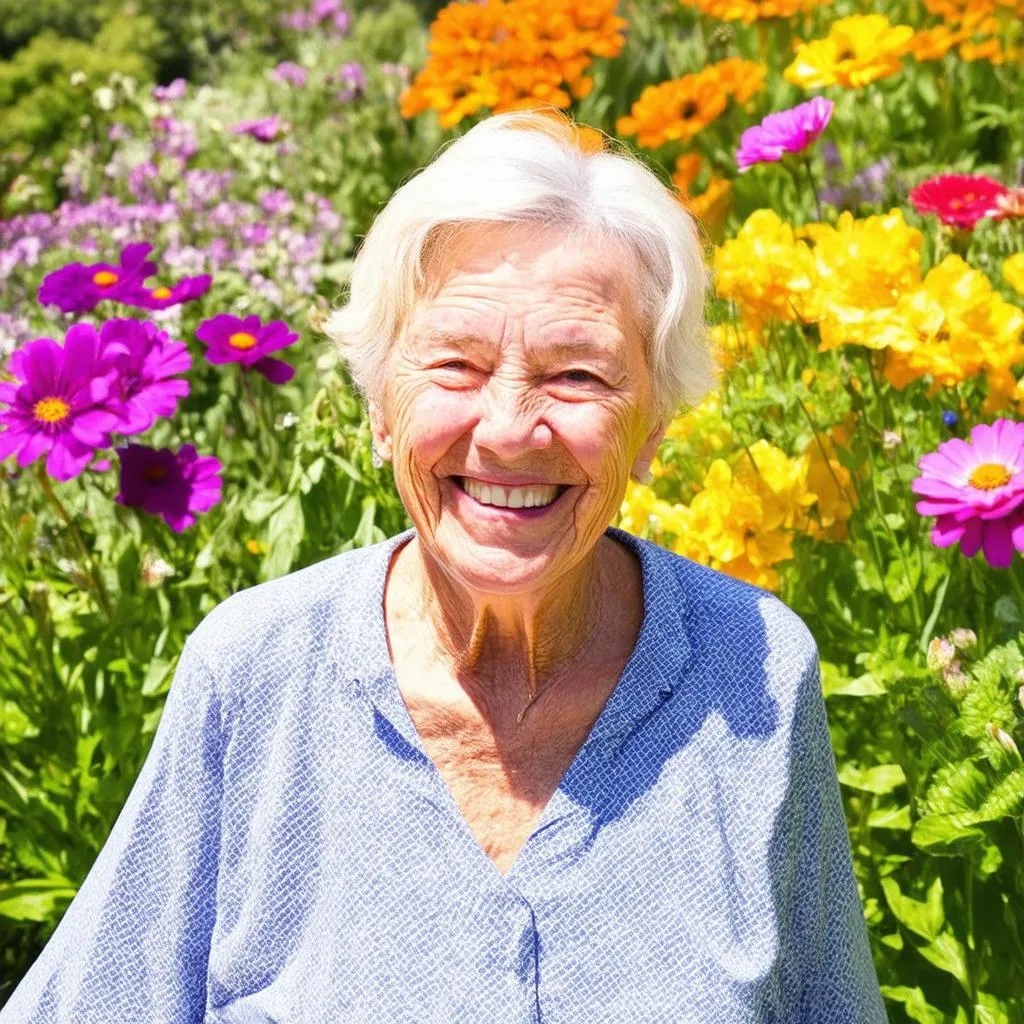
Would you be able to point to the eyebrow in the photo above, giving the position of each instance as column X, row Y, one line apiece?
column 564, row 348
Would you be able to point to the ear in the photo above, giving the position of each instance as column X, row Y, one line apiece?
column 642, row 463
column 380, row 429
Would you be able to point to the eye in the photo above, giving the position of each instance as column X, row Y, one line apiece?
column 580, row 376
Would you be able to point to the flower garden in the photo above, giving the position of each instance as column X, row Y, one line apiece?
column 181, row 201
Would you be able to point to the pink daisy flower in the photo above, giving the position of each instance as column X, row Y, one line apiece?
column 788, row 131
column 230, row 339
column 78, row 287
column 160, row 296
column 976, row 489
column 174, row 486
column 64, row 407
column 148, row 363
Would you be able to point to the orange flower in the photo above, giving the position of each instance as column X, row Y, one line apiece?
column 510, row 54
column 749, row 11
column 934, row 43
column 678, row 109
column 711, row 207
column 687, row 171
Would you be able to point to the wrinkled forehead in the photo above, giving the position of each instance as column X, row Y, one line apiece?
column 478, row 277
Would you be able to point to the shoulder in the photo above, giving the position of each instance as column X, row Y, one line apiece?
column 738, row 634
column 283, row 623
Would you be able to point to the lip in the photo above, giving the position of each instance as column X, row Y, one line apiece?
column 467, row 504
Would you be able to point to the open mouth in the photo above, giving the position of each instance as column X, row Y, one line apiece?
column 530, row 496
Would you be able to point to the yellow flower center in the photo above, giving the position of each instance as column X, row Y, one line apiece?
column 154, row 473
column 163, row 292
column 242, row 340
column 989, row 475
column 104, row 278
column 51, row 410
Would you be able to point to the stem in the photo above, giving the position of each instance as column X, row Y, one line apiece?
column 814, row 191
column 100, row 589
column 972, row 978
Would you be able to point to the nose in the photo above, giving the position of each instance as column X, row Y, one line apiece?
column 510, row 422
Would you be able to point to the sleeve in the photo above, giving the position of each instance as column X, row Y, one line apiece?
column 133, row 944
column 830, row 974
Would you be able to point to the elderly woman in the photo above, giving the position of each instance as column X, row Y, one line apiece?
column 513, row 764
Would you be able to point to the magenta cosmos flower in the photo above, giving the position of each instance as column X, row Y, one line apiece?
column 78, row 287
column 959, row 200
column 148, row 364
column 174, row 486
column 263, row 129
column 64, row 407
column 230, row 339
column 788, row 131
column 976, row 489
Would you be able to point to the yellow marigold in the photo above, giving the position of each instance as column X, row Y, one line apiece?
column 767, row 271
column 862, row 265
column 732, row 343
column 673, row 111
column 749, row 11
column 1013, row 272
column 859, row 49
column 509, row 54
column 832, row 485
column 953, row 327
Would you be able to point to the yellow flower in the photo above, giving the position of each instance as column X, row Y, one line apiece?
column 832, row 485
column 859, row 49
column 1013, row 272
column 862, row 266
column 732, row 343
column 255, row 547
column 767, row 271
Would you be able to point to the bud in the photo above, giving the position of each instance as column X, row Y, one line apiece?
column 1003, row 738
column 891, row 440
column 963, row 639
column 940, row 653
column 154, row 570
column 286, row 420
column 956, row 680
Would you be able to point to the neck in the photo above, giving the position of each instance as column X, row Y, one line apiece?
column 487, row 639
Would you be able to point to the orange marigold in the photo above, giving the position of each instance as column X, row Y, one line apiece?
column 749, row 11
column 510, row 54
column 678, row 109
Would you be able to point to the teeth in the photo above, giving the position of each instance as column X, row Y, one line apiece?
column 509, row 497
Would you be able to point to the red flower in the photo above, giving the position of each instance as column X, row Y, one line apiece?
column 959, row 200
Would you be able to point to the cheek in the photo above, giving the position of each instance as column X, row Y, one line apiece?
column 600, row 438
column 427, row 422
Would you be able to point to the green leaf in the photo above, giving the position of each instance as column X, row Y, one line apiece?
column 947, row 953
column 15, row 725
column 945, row 834
column 35, row 899
column 890, row 817
column 284, row 535
column 922, row 918
column 865, row 685
column 881, row 779
column 914, row 1003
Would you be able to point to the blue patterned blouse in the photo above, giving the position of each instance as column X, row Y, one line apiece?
column 290, row 854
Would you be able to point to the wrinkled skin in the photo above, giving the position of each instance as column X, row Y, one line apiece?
column 521, row 364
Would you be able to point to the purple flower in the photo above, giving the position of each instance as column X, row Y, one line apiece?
column 230, row 339
column 291, row 74
column 174, row 91
column 276, row 202
column 353, row 78
column 65, row 405
column 322, row 9
column 161, row 296
column 174, row 486
column 340, row 22
column 300, row 21
column 787, row 131
column 264, row 129
column 78, row 288
column 867, row 186
column 147, row 362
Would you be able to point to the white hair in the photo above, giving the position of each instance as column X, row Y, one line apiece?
column 528, row 167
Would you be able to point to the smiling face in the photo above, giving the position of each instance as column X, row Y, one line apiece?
column 518, row 400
